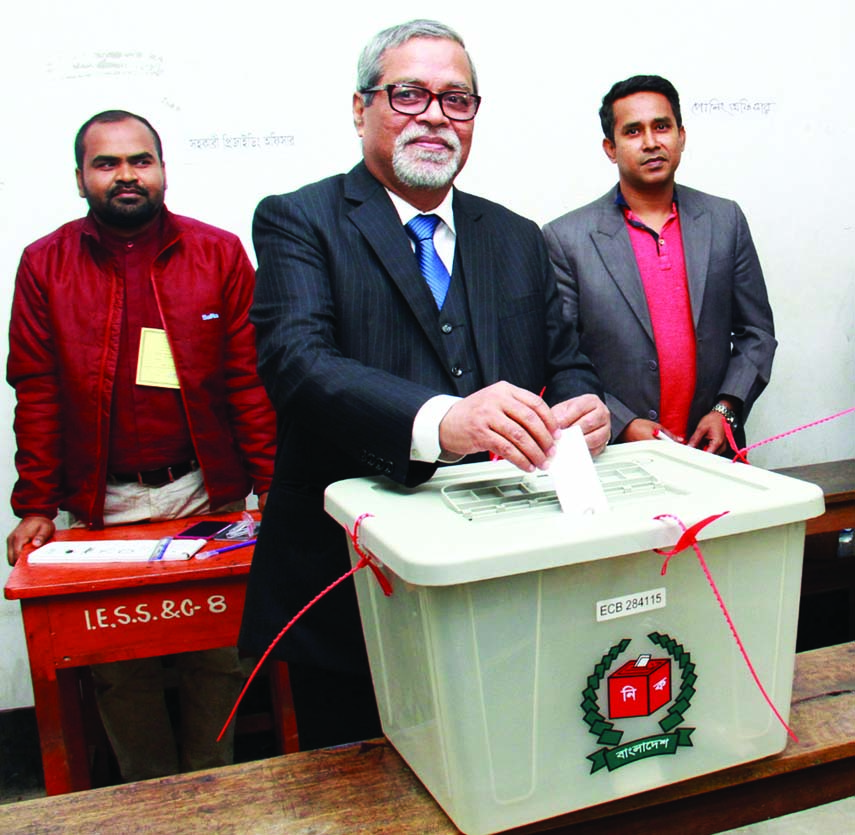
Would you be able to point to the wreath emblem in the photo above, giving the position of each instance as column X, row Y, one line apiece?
column 615, row 755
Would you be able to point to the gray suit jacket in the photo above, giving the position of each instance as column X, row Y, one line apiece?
column 603, row 296
column 350, row 347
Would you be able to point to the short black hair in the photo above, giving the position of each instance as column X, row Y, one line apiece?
column 630, row 86
column 107, row 117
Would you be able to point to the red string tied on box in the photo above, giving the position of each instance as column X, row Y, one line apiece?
column 688, row 539
column 742, row 454
column 365, row 558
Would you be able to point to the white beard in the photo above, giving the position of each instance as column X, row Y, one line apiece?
column 419, row 168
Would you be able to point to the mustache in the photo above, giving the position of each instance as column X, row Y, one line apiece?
column 124, row 189
column 415, row 132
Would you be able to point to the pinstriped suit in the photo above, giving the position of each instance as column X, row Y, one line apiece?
column 350, row 348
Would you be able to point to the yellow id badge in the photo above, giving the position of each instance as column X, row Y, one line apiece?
column 155, row 365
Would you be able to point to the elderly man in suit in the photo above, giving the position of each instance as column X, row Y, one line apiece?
column 388, row 346
column 663, row 283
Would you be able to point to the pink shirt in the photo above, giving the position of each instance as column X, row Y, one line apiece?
column 663, row 274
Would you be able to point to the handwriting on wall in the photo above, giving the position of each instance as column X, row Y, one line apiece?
column 241, row 141
column 742, row 107
column 107, row 63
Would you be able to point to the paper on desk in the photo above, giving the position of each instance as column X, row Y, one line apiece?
column 574, row 475
column 112, row 550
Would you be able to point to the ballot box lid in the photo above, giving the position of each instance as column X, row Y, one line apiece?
column 473, row 522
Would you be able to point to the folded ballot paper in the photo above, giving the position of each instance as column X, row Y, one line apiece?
column 574, row 475
column 112, row 550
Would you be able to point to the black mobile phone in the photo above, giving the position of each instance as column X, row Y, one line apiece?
column 207, row 529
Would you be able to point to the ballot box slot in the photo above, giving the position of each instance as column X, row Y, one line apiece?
column 541, row 663
column 489, row 498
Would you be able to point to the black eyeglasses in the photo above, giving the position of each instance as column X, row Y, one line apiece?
column 457, row 105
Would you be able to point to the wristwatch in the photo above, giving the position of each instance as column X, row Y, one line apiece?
column 729, row 414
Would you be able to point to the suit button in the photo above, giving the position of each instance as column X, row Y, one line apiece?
column 457, row 372
column 652, row 365
column 653, row 414
column 446, row 328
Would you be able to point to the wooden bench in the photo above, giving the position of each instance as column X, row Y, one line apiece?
column 828, row 581
column 837, row 480
column 367, row 788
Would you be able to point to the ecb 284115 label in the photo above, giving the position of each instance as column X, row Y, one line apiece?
column 631, row 604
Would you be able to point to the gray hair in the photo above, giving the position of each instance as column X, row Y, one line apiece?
column 369, row 70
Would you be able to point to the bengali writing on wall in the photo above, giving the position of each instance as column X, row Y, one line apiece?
column 741, row 107
column 106, row 64
column 242, row 141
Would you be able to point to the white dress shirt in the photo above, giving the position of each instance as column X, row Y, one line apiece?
column 425, row 437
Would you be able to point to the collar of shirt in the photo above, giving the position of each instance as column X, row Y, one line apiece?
column 620, row 200
column 631, row 217
column 151, row 238
column 445, row 236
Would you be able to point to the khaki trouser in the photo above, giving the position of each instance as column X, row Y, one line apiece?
column 131, row 701
column 130, row 694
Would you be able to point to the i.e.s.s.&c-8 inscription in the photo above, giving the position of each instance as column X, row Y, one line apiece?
column 148, row 612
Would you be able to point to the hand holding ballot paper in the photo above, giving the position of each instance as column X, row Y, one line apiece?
column 574, row 475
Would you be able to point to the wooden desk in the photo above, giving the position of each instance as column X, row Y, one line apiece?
column 76, row 615
column 368, row 789
column 827, row 613
column 837, row 480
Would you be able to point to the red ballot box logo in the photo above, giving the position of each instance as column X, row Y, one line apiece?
column 640, row 687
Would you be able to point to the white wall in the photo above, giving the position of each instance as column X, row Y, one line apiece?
column 243, row 72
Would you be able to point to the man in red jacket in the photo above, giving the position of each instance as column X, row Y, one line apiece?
column 134, row 365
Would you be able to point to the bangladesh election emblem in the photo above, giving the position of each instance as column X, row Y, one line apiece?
column 640, row 687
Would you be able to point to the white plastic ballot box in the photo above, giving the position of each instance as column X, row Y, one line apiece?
column 529, row 663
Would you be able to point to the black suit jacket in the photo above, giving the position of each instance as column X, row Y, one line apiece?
column 349, row 348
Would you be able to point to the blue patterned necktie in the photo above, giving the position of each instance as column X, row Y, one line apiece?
column 421, row 229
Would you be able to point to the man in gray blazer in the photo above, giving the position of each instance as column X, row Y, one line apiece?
column 663, row 284
column 371, row 370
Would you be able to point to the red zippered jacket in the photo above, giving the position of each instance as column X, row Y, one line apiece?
column 63, row 348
